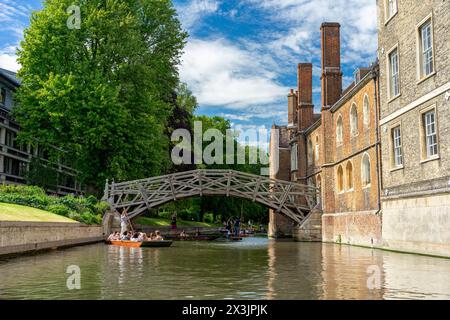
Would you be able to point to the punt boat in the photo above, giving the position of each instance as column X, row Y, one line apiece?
column 144, row 244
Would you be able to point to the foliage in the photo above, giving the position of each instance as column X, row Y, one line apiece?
column 41, row 175
column 86, row 210
column 101, row 92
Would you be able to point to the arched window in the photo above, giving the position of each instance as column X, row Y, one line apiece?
column 366, row 110
column 317, row 149
column 340, row 179
column 349, row 172
column 339, row 129
column 365, row 170
column 319, row 182
column 310, row 151
column 354, row 120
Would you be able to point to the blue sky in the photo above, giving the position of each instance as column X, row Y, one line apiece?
column 241, row 57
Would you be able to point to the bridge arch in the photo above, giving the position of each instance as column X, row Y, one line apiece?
column 292, row 199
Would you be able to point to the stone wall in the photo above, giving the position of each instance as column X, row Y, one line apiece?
column 21, row 237
column 356, row 228
column 418, row 224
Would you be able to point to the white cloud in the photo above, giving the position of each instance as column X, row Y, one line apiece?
column 192, row 12
column 302, row 19
column 222, row 74
column 8, row 59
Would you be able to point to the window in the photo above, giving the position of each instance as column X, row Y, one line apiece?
column 391, row 8
column 294, row 163
column 354, row 120
column 339, row 131
column 349, row 172
column 310, row 151
column 317, row 149
column 2, row 97
column 431, row 143
column 426, row 57
column 340, row 179
column 366, row 110
column 10, row 138
column 394, row 74
column 365, row 170
column 397, row 146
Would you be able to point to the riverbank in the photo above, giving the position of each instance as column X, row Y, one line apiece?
column 25, row 230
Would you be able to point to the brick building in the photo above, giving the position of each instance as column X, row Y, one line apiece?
column 380, row 149
column 15, row 159
column 414, row 54
column 336, row 150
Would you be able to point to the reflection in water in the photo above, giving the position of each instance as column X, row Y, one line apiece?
column 252, row 269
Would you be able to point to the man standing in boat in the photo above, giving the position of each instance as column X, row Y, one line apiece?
column 124, row 222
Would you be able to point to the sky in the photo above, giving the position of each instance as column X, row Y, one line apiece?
column 241, row 57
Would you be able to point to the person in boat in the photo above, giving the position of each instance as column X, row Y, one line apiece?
column 158, row 236
column 142, row 237
column 183, row 235
column 123, row 222
column 237, row 224
column 125, row 236
column 135, row 237
column 173, row 223
column 112, row 237
column 151, row 236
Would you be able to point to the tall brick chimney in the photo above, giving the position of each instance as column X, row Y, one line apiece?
column 331, row 92
column 292, row 108
column 331, row 64
column 305, row 106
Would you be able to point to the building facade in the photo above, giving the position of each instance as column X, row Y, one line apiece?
column 380, row 149
column 16, row 160
column 337, row 150
column 414, row 54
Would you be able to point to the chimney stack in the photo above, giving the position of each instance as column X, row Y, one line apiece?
column 305, row 106
column 292, row 108
column 331, row 64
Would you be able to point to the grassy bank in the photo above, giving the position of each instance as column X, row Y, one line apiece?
column 14, row 212
column 86, row 210
column 160, row 222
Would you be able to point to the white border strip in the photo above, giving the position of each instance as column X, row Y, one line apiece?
column 416, row 103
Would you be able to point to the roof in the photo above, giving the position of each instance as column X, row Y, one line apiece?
column 10, row 76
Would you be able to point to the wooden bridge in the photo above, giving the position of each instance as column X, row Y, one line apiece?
column 292, row 199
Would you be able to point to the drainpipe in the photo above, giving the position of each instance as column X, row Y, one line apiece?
column 376, row 80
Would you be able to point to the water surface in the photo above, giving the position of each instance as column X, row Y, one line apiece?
column 253, row 269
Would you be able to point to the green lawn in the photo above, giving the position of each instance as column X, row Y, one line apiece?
column 14, row 212
column 159, row 222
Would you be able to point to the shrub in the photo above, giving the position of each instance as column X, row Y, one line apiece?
column 85, row 210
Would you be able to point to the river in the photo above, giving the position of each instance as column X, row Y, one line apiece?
column 255, row 268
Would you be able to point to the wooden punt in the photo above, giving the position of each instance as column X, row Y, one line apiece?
column 145, row 244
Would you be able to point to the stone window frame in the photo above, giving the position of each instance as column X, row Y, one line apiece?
column 387, row 17
column 388, row 72
column 354, row 127
column 347, row 180
column 339, row 133
column 317, row 150
column 394, row 125
column 340, row 183
column 424, row 158
column 294, row 157
column 366, row 184
column 310, row 151
column 366, row 111
column 419, row 56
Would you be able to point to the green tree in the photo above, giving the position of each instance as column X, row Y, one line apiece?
column 101, row 92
